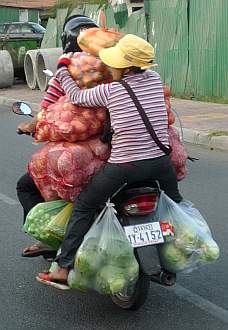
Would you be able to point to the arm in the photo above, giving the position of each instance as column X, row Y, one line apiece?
column 52, row 94
column 93, row 97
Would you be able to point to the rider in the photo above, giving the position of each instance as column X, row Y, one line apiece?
column 27, row 192
column 135, row 157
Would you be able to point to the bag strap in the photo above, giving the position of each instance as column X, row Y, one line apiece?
column 166, row 150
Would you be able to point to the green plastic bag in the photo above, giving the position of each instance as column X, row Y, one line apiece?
column 57, row 226
column 39, row 217
column 105, row 261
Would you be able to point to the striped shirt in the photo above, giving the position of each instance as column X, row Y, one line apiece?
column 131, row 140
column 52, row 94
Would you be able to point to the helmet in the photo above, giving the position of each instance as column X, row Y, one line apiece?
column 71, row 30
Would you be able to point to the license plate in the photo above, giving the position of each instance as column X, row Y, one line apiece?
column 144, row 234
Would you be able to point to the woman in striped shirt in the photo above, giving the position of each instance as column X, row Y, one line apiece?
column 135, row 157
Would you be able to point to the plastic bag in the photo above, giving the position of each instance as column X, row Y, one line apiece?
column 179, row 155
column 62, row 169
column 105, row 260
column 88, row 71
column 64, row 121
column 39, row 217
column 57, row 226
column 192, row 245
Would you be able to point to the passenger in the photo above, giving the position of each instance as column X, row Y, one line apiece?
column 135, row 157
column 27, row 192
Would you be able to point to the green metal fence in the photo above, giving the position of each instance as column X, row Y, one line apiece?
column 191, row 43
column 190, row 38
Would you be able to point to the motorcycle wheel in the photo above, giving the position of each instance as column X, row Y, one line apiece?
column 136, row 296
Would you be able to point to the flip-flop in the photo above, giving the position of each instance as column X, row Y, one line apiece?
column 44, row 278
column 42, row 250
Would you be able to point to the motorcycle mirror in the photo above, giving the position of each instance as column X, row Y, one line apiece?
column 21, row 108
column 48, row 73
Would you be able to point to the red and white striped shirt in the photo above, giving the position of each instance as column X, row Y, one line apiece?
column 131, row 140
column 52, row 94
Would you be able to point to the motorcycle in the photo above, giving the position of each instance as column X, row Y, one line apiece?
column 135, row 206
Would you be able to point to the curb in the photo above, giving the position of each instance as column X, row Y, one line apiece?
column 203, row 138
column 192, row 136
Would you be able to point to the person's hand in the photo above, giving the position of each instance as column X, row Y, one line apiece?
column 27, row 128
column 64, row 60
column 66, row 55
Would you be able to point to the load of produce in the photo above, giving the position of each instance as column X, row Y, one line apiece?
column 64, row 121
column 60, row 170
column 105, row 260
column 167, row 94
column 39, row 217
column 94, row 39
column 88, row 71
column 179, row 155
column 58, row 224
column 192, row 245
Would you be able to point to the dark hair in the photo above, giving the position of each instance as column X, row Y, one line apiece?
column 136, row 69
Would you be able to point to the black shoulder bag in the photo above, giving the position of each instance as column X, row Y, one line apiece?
column 166, row 150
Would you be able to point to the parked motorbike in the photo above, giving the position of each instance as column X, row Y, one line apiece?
column 135, row 206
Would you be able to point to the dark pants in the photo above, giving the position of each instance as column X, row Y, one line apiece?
column 28, row 194
column 102, row 186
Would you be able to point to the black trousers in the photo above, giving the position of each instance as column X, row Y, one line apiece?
column 28, row 194
column 102, row 186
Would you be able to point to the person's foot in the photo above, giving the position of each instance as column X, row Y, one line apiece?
column 39, row 249
column 56, row 279
column 59, row 275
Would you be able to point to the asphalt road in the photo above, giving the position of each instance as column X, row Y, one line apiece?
column 198, row 301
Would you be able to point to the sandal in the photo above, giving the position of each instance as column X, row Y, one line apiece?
column 44, row 278
column 39, row 249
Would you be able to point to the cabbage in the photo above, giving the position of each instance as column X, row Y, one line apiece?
column 110, row 280
column 87, row 259
column 210, row 251
column 77, row 281
column 133, row 270
column 186, row 239
column 173, row 259
column 120, row 252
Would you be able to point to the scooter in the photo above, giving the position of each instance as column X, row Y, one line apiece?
column 136, row 206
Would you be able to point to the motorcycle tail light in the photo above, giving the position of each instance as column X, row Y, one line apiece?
column 140, row 205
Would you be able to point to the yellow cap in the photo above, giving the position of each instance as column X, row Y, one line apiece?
column 129, row 51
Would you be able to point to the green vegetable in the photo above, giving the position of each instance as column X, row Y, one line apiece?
column 210, row 251
column 186, row 240
column 120, row 252
column 77, row 281
column 39, row 217
column 110, row 280
column 133, row 270
column 88, row 262
column 173, row 259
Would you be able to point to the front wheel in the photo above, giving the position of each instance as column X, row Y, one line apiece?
column 133, row 298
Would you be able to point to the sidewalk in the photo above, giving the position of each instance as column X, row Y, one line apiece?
column 203, row 123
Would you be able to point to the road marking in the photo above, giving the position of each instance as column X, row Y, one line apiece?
column 8, row 200
column 204, row 304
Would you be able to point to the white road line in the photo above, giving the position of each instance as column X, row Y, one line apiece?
column 204, row 304
column 8, row 200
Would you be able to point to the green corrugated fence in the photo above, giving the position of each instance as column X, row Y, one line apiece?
column 190, row 38
column 191, row 43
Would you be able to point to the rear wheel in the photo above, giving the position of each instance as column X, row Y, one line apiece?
column 164, row 278
column 133, row 297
